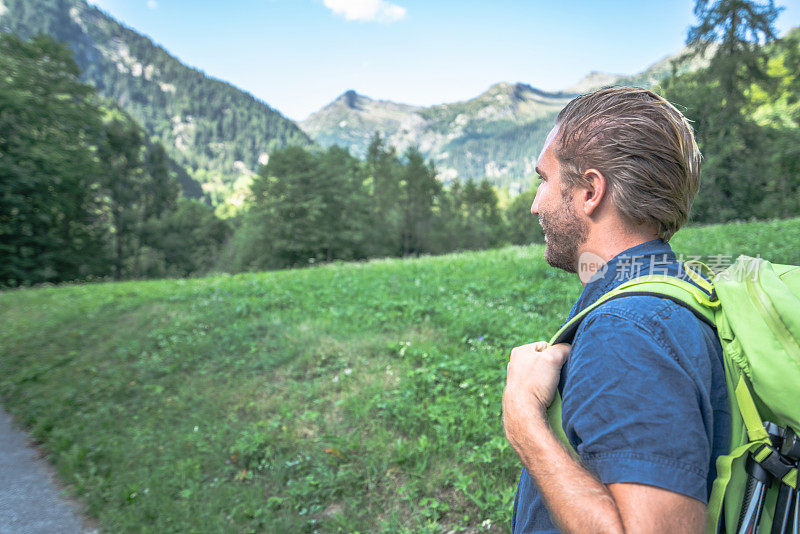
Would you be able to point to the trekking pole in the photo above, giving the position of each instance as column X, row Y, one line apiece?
column 795, row 450
column 785, row 506
column 758, row 480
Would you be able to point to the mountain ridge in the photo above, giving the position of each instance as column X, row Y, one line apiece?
column 450, row 134
column 496, row 135
column 217, row 132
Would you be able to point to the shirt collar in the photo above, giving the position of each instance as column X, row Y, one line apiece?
column 651, row 257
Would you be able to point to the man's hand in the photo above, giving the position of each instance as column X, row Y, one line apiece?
column 533, row 374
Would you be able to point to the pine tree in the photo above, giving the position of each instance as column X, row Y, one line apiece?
column 716, row 98
column 523, row 227
column 419, row 191
column 383, row 171
column 49, row 126
column 738, row 29
column 345, row 215
column 121, row 152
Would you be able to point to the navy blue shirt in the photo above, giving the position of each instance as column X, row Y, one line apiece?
column 643, row 391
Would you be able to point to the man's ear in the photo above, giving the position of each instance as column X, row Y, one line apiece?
column 594, row 190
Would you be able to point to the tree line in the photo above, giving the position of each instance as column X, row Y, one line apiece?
column 311, row 206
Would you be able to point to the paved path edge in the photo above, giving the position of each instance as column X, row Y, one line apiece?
column 32, row 498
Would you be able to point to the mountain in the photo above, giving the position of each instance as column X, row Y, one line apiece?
column 494, row 135
column 217, row 132
column 351, row 119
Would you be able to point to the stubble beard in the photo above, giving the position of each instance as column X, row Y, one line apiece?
column 564, row 235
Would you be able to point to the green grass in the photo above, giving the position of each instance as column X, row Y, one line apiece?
column 347, row 397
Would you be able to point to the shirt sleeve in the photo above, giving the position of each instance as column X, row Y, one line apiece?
column 632, row 408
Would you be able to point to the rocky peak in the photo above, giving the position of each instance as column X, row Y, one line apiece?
column 351, row 99
column 516, row 92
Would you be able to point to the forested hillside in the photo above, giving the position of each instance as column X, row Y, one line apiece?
column 219, row 133
column 84, row 194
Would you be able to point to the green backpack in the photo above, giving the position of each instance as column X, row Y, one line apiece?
column 755, row 308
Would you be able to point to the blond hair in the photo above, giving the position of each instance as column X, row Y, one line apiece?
column 642, row 145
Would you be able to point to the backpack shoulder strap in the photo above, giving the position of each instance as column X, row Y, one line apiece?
column 675, row 289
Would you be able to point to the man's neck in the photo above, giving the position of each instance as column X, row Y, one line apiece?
column 602, row 246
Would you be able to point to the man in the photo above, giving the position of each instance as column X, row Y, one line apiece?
column 643, row 387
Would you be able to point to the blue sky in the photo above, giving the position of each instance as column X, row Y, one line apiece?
column 298, row 55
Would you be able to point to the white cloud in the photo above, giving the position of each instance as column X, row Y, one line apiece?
column 366, row 10
column 152, row 4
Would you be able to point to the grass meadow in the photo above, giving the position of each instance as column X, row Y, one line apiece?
column 349, row 397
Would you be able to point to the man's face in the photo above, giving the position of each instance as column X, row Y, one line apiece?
column 564, row 232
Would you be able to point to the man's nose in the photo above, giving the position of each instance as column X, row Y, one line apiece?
column 535, row 205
